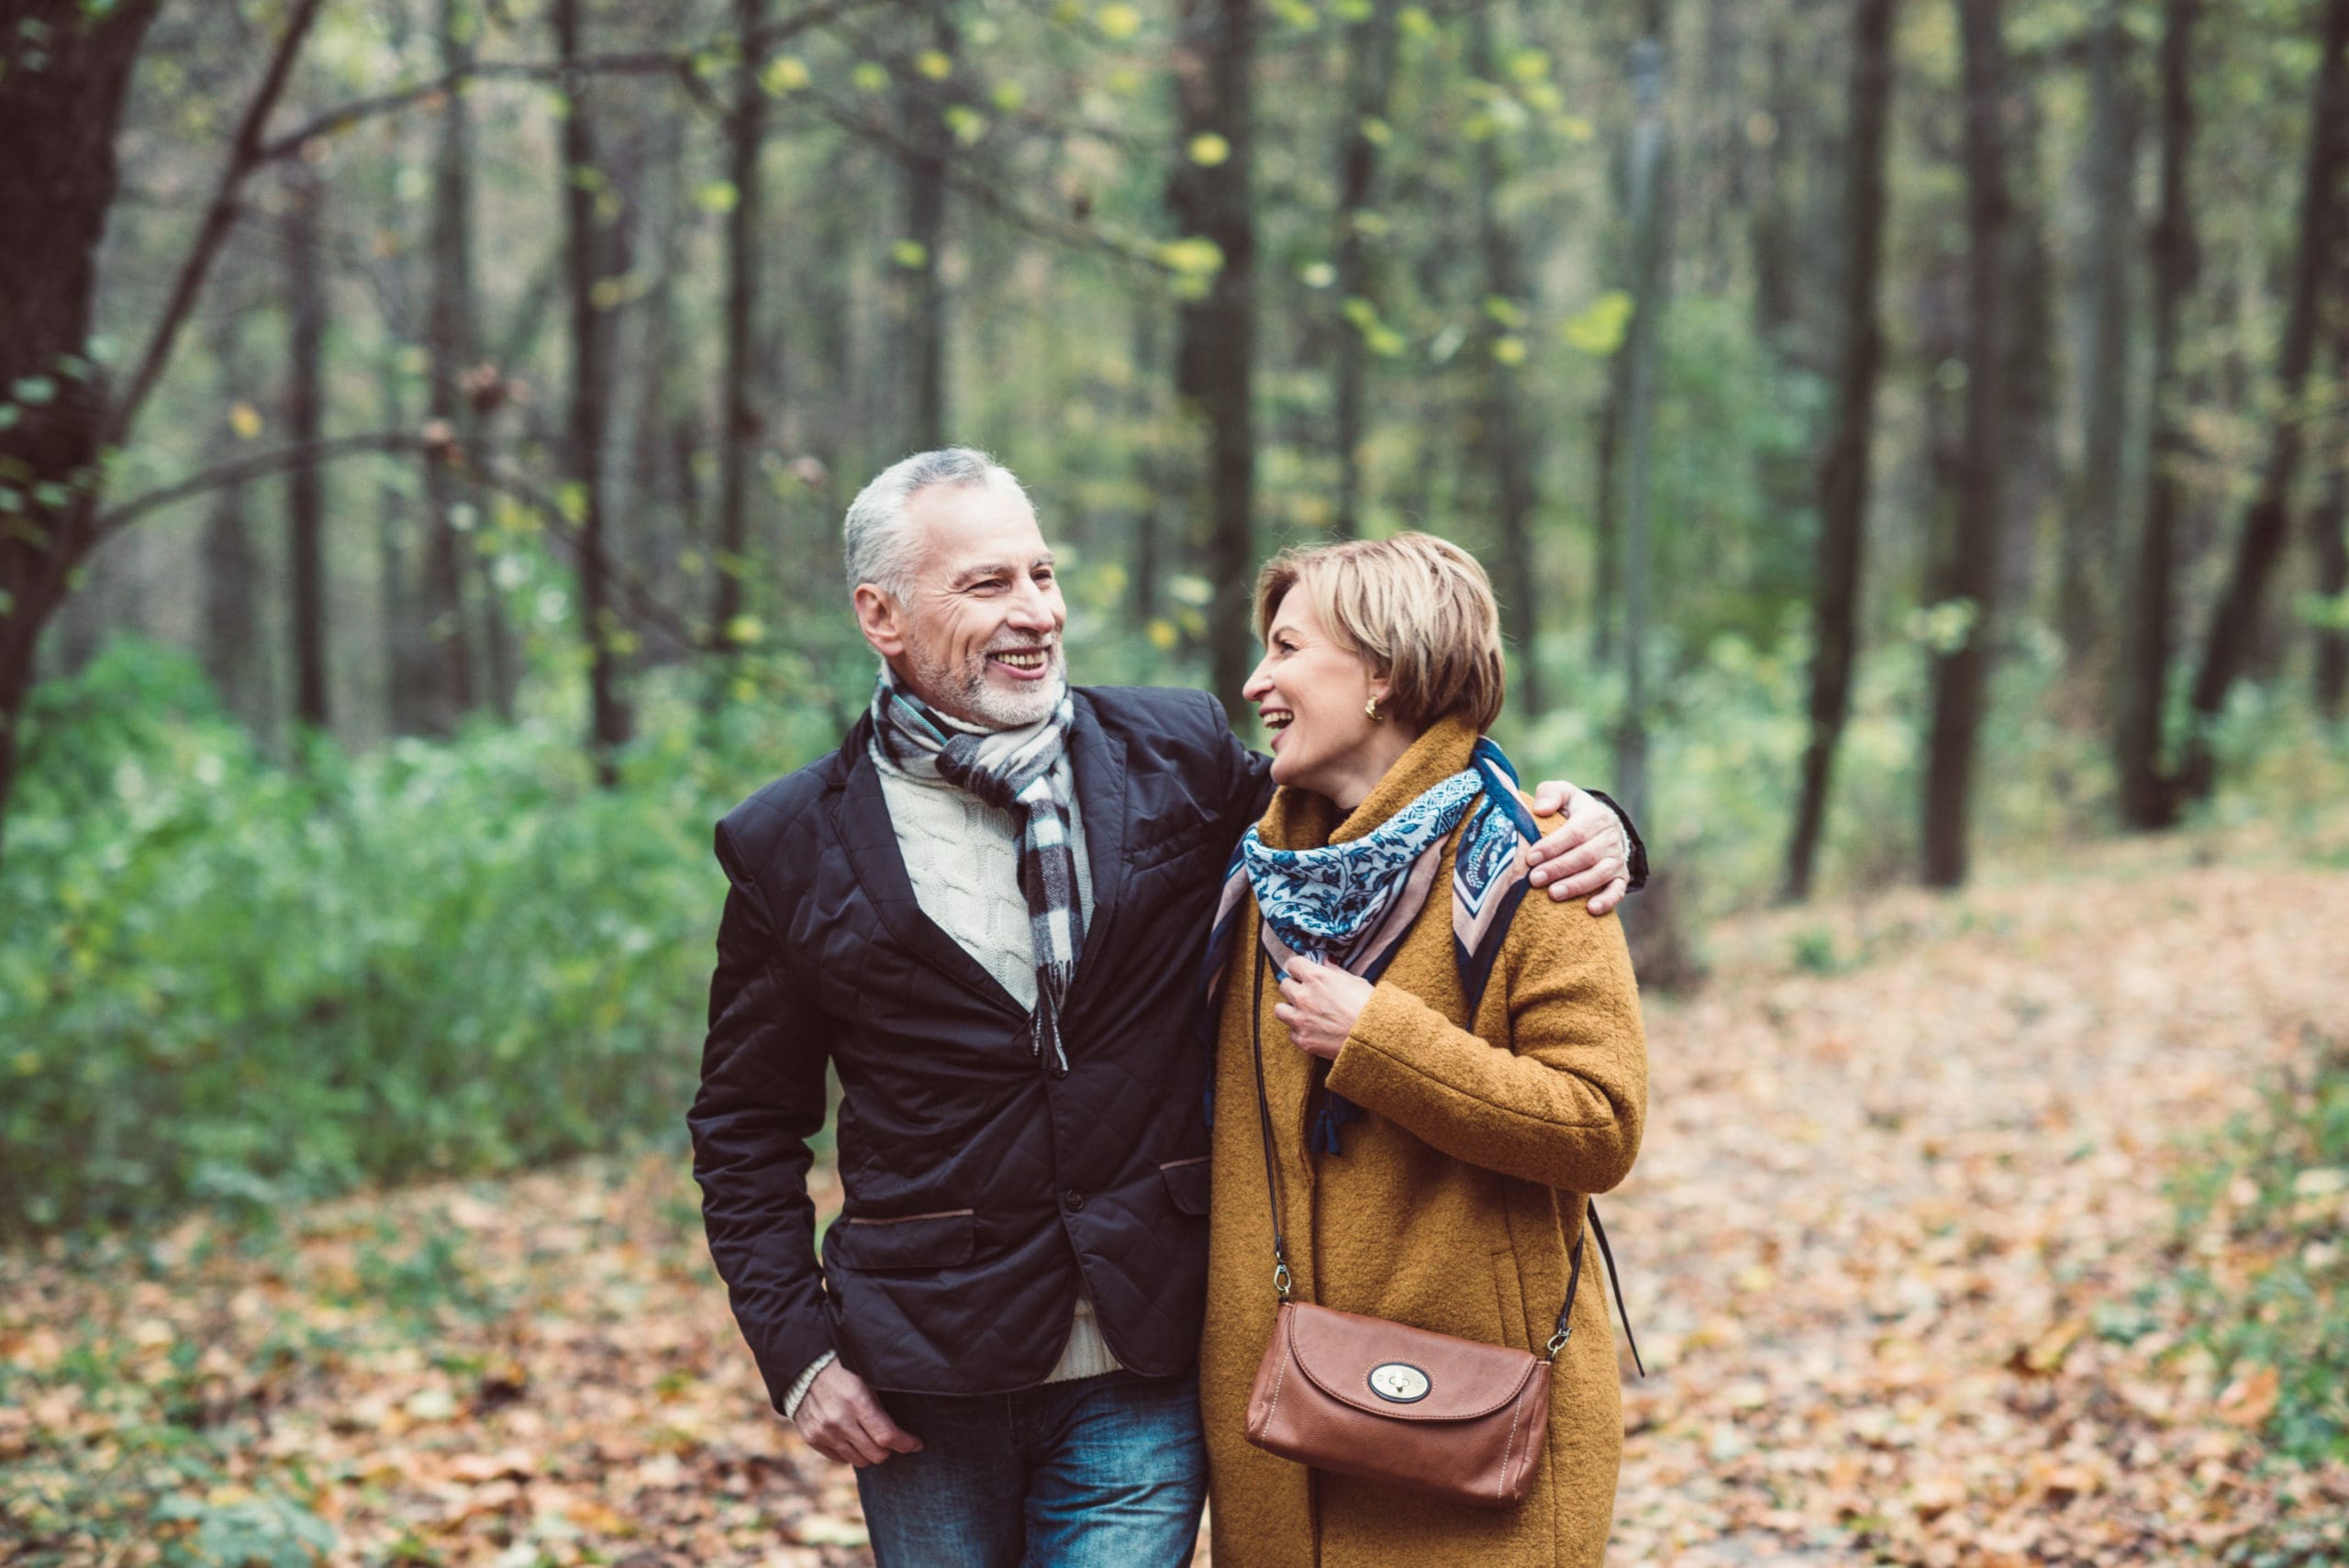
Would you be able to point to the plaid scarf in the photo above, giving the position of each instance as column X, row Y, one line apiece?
column 1351, row 904
column 1013, row 770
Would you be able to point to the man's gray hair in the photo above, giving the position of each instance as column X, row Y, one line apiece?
column 878, row 546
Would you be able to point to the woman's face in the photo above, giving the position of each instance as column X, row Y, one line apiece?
column 1311, row 695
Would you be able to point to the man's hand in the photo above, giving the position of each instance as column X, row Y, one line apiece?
column 1587, row 857
column 841, row 1420
column 1320, row 1004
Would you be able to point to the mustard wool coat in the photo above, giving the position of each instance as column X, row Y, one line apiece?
column 1452, row 1208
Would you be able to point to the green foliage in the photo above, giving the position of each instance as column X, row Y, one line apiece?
column 253, row 1532
column 2267, row 1288
column 225, row 980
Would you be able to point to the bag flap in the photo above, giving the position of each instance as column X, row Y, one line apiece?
column 1407, row 1374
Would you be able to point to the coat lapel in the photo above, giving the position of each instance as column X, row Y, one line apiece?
column 860, row 818
column 1098, row 759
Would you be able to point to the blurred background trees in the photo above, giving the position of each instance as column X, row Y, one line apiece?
column 1896, row 433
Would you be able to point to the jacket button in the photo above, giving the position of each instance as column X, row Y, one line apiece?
column 1072, row 1200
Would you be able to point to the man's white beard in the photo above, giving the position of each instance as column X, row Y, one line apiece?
column 967, row 694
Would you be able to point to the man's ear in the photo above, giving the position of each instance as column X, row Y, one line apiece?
column 883, row 623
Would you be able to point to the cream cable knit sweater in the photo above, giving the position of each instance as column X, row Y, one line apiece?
column 963, row 857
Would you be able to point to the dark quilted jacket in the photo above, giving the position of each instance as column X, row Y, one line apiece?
column 979, row 1185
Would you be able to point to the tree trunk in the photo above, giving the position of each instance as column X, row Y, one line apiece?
column 930, row 152
column 1642, row 351
column 2330, row 523
column 1606, row 543
column 2147, row 799
column 739, row 418
column 2266, row 523
column 306, row 420
column 406, row 652
column 57, row 182
column 583, row 241
column 1370, row 54
column 1967, row 575
column 448, row 330
column 1508, row 456
column 2089, row 531
column 1778, row 275
column 1215, row 357
column 232, row 591
column 2031, row 466
column 1150, row 528
column 1843, row 475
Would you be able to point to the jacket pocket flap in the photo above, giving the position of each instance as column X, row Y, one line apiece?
column 1181, row 842
column 916, row 1241
column 1389, row 1369
column 1187, row 1183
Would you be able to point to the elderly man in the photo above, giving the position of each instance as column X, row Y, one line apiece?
column 987, row 912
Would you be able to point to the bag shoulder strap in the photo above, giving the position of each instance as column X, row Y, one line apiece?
column 1283, row 1281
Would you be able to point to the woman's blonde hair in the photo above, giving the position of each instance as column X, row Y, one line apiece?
column 1418, row 609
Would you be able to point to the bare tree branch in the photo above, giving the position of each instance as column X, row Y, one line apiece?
column 641, row 608
column 637, row 63
column 259, row 465
column 244, row 156
column 988, row 194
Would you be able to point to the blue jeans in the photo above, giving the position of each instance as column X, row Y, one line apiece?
column 1105, row 1472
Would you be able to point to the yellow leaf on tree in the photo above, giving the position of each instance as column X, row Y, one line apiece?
column 785, row 74
column 1208, row 150
column 1119, row 22
column 245, row 419
column 1599, row 328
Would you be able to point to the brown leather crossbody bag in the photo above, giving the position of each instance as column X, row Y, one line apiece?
column 1385, row 1402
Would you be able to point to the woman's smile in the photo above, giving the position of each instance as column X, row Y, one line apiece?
column 1316, row 698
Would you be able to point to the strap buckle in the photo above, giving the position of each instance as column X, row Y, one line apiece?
column 1557, row 1342
column 1281, row 1280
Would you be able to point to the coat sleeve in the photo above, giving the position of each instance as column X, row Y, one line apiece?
column 1246, row 783
column 1562, row 1101
column 762, row 1098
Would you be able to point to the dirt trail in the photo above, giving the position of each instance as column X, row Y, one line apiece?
column 1877, row 1211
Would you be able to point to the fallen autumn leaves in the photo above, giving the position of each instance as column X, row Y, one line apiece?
column 1896, row 1245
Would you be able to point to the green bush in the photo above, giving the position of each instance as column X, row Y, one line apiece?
column 2270, row 1198
column 226, row 980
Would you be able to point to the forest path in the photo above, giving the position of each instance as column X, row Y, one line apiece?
column 1886, row 1234
column 1903, row 1178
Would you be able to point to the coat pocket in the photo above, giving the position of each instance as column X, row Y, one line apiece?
column 1181, row 842
column 1187, row 1183
column 916, row 1241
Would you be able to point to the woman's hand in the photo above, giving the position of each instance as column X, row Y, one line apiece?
column 1320, row 1005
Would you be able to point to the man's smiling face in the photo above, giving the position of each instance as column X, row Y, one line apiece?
column 978, row 637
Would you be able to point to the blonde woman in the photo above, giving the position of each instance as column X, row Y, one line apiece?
column 1449, row 1068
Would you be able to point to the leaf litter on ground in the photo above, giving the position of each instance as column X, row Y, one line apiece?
column 1896, row 1245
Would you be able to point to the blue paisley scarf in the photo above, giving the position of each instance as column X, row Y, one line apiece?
column 1351, row 904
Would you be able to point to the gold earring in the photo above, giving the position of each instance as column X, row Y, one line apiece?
column 1369, row 710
